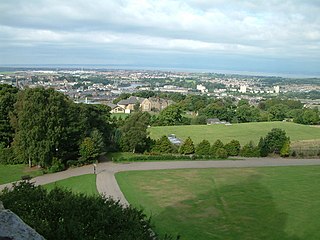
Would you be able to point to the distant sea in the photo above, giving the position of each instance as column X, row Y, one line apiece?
column 6, row 68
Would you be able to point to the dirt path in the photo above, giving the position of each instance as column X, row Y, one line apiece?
column 108, row 186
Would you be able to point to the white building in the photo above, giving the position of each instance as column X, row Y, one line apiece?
column 202, row 88
column 276, row 89
column 243, row 89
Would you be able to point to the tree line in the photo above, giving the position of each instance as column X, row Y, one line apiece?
column 44, row 127
column 228, row 109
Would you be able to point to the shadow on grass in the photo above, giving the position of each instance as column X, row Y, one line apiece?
column 241, row 211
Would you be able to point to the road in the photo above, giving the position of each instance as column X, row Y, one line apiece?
column 108, row 186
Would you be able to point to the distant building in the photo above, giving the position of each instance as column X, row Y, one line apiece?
column 243, row 89
column 128, row 104
column 115, row 108
column 202, row 88
column 276, row 89
column 154, row 104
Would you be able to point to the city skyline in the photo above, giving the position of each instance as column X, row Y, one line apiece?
column 241, row 36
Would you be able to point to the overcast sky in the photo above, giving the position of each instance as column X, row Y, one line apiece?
column 240, row 35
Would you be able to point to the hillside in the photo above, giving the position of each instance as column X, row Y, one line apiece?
column 244, row 132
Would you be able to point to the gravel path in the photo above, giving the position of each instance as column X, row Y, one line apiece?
column 108, row 186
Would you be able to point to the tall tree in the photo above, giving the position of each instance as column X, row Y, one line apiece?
column 40, row 125
column 8, row 95
column 134, row 132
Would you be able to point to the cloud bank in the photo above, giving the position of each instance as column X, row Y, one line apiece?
column 167, row 31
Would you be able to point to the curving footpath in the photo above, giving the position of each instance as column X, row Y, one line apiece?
column 108, row 186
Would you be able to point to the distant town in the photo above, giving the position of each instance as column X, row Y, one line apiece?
column 102, row 86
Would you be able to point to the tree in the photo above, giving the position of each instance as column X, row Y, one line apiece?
column 233, row 148
column 246, row 113
column 310, row 116
column 170, row 116
column 8, row 96
column 263, row 147
column 278, row 112
column 187, row 147
column 217, row 144
column 163, row 145
column 88, row 151
column 134, row 132
column 41, row 125
column 203, row 148
column 275, row 140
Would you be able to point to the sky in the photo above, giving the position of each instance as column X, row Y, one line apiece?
column 274, row 36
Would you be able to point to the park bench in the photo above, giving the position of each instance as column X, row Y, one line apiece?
column 26, row 177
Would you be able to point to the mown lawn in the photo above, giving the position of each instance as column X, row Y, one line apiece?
column 11, row 173
column 244, row 132
column 247, row 203
column 81, row 184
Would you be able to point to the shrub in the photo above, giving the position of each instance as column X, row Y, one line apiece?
column 263, row 147
column 56, row 166
column 7, row 156
column 187, row 147
column 163, row 145
column 217, row 144
column 249, row 150
column 221, row 153
column 233, row 148
column 203, row 148
column 275, row 140
column 61, row 214
column 285, row 150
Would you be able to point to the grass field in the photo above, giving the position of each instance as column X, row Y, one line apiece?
column 80, row 184
column 243, row 132
column 122, row 115
column 11, row 173
column 248, row 203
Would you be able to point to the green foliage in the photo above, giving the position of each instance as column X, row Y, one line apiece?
column 263, row 147
column 199, row 120
column 187, row 147
column 275, row 140
column 278, row 112
column 215, row 146
column 246, row 113
column 171, row 115
column 59, row 214
column 233, row 148
column 8, row 95
column 7, row 155
column 285, row 150
column 134, row 136
column 56, row 166
column 88, row 151
column 221, row 153
column 249, row 150
column 163, row 145
column 203, row 148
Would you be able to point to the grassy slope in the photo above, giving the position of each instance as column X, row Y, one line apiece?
column 243, row 132
column 250, row 203
column 11, row 173
column 82, row 184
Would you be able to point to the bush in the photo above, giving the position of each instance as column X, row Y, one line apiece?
column 187, row 147
column 233, row 148
column 217, row 144
column 285, row 150
column 249, row 150
column 163, row 145
column 221, row 153
column 56, row 166
column 7, row 156
column 61, row 214
column 275, row 140
column 203, row 148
